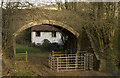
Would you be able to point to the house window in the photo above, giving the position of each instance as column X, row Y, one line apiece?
column 38, row 33
column 54, row 34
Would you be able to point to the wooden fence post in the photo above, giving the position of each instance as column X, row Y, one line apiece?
column 65, row 53
column 87, row 61
column 53, row 60
column 26, row 56
column 57, row 65
column 52, row 52
column 76, row 61
column 84, row 61
column 49, row 61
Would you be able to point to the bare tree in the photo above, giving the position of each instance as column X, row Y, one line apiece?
column 101, row 31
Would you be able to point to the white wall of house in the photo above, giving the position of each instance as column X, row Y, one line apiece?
column 46, row 35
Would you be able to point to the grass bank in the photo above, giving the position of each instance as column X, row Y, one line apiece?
column 31, row 50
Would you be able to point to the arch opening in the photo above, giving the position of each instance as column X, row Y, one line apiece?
column 37, row 37
column 70, row 44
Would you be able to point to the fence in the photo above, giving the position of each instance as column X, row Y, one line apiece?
column 69, row 62
column 20, row 55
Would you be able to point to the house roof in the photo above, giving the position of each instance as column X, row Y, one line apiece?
column 44, row 28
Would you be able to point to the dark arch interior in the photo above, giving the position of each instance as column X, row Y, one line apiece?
column 70, row 44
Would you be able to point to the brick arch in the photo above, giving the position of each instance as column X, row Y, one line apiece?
column 52, row 22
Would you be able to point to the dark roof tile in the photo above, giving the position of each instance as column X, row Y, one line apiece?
column 44, row 28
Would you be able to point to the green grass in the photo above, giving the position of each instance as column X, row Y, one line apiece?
column 30, row 50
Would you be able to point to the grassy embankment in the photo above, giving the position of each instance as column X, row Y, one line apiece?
column 30, row 50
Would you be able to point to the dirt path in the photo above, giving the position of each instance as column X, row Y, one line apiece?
column 39, row 66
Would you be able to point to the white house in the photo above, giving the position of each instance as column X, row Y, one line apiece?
column 41, row 32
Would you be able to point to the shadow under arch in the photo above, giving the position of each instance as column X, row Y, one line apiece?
column 34, row 23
